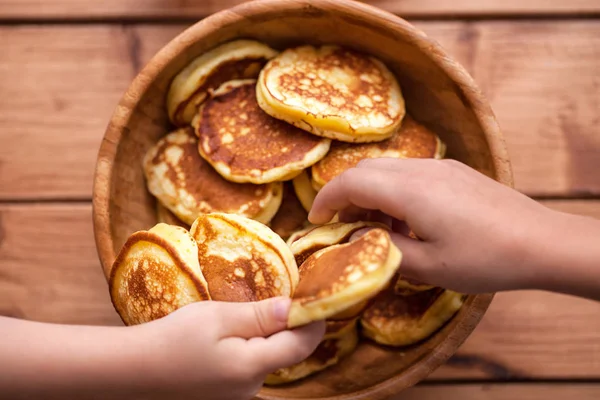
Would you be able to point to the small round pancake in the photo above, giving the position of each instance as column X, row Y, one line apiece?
column 332, row 92
column 188, row 186
column 244, row 144
column 338, row 277
column 291, row 215
column 243, row 260
column 240, row 59
column 167, row 217
column 397, row 320
column 324, row 236
column 156, row 273
column 304, row 189
column 334, row 347
column 413, row 140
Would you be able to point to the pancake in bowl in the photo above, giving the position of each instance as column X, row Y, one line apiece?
column 407, row 286
column 332, row 92
column 340, row 340
column 156, row 273
column 307, row 242
column 291, row 216
column 304, row 189
column 339, row 277
column 242, row 259
column 400, row 320
column 240, row 59
column 188, row 186
column 244, row 144
column 167, row 217
column 412, row 140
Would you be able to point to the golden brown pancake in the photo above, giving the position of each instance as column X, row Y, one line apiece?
column 242, row 259
column 304, row 189
column 332, row 92
column 413, row 140
column 406, row 286
column 240, row 59
column 244, row 144
column 165, row 216
column 320, row 237
column 340, row 340
column 291, row 215
column 399, row 320
column 188, row 186
column 339, row 277
column 156, row 273
column 300, row 234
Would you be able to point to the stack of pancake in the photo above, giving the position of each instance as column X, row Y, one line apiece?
column 257, row 134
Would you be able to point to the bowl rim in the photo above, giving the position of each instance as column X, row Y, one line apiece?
column 103, row 176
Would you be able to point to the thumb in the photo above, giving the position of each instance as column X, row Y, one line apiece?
column 255, row 319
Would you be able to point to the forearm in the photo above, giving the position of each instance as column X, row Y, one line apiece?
column 59, row 361
column 568, row 258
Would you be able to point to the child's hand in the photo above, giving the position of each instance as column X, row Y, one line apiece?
column 215, row 350
column 477, row 235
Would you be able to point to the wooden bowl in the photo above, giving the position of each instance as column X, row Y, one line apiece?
column 438, row 92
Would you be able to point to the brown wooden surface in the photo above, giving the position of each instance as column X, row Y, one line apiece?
column 531, row 391
column 50, row 272
column 541, row 78
column 137, row 9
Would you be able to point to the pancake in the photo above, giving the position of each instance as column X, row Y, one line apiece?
column 300, row 234
column 324, row 236
column 244, row 144
column 188, row 186
column 397, row 320
column 167, row 217
column 339, row 277
column 304, row 189
column 156, row 273
column 406, row 286
column 339, row 341
column 240, row 59
column 242, row 259
column 413, row 140
column 332, row 92
column 291, row 215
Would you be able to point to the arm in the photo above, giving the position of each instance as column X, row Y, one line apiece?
column 477, row 235
column 206, row 350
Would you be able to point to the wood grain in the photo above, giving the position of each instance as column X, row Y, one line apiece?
column 49, row 271
column 163, row 9
column 532, row 391
column 541, row 78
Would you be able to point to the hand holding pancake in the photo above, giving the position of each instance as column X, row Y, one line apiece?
column 216, row 350
column 472, row 229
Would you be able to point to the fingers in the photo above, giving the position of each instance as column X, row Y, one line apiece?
column 257, row 319
column 286, row 348
column 364, row 188
column 417, row 256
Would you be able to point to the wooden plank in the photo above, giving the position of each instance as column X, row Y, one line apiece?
column 531, row 391
column 158, row 9
column 49, row 271
column 540, row 77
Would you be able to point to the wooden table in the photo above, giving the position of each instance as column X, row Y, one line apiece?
column 65, row 63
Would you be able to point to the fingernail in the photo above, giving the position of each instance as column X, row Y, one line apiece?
column 281, row 308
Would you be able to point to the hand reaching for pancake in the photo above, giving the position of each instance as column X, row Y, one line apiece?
column 476, row 234
column 217, row 350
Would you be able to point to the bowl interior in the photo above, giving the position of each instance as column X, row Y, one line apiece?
column 434, row 96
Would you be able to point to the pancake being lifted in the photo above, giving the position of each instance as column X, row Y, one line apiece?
column 412, row 140
column 242, row 259
column 188, row 186
column 332, row 92
column 155, row 273
column 240, row 59
column 244, row 144
column 400, row 320
column 339, row 277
